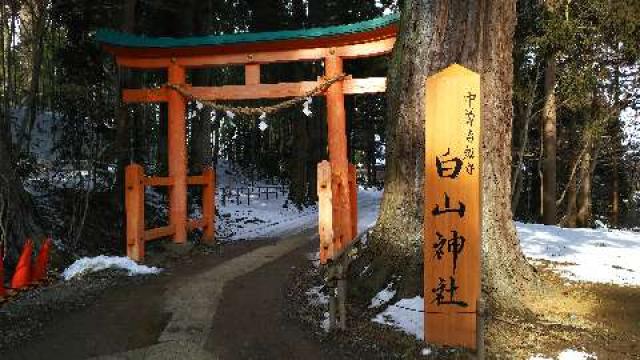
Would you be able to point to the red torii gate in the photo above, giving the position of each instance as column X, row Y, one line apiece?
column 333, row 45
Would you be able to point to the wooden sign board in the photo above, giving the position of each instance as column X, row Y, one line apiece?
column 452, row 214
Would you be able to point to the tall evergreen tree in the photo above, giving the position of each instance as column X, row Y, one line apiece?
column 434, row 34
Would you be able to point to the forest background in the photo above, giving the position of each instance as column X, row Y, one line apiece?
column 65, row 137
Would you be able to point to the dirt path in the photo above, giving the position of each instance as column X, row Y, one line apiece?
column 228, row 306
column 253, row 320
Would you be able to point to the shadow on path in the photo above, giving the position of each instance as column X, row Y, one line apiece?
column 252, row 320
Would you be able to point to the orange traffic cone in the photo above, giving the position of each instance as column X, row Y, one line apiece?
column 3, row 292
column 40, row 267
column 22, row 276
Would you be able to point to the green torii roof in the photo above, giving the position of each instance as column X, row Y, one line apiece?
column 120, row 39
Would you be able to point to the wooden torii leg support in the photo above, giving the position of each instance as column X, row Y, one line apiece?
column 337, row 198
column 177, row 182
column 135, row 184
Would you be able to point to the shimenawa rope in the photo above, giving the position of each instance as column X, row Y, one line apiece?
column 243, row 110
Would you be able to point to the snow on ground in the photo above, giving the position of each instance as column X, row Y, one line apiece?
column 88, row 265
column 47, row 130
column 568, row 354
column 274, row 216
column 316, row 296
column 314, row 257
column 383, row 297
column 262, row 217
column 265, row 218
column 594, row 255
column 631, row 127
column 368, row 208
column 325, row 322
column 405, row 315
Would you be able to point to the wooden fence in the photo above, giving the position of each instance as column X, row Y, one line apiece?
column 243, row 194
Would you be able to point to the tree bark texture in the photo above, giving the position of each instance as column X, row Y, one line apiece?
column 549, row 147
column 571, row 217
column 570, row 192
column 38, row 11
column 201, row 124
column 433, row 35
column 584, row 201
column 18, row 220
column 526, row 114
column 122, row 80
column 615, row 194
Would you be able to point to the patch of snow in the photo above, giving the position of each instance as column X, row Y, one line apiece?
column 368, row 208
column 601, row 225
column 365, row 270
column 47, row 130
column 594, row 255
column 274, row 216
column 314, row 257
column 305, row 107
column 568, row 354
column 405, row 315
column 88, row 265
column 426, row 351
column 324, row 323
column 630, row 119
column 316, row 297
column 383, row 297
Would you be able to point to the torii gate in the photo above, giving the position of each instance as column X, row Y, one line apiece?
column 336, row 178
column 453, row 109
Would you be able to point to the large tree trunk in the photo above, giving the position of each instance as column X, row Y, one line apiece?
column 525, row 114
column 298, row 161
column 122, row 80
column 433, row 35
column 549, row 147
column 37, row 11
column 201, row 124
column 18, row 220
column 370, row 162
column 584, row 194
column 614, row 219
column 517, row 176
column 571, row 218
column 587, row 167
column 4, row 75
column 17, row 217
column 162, row 159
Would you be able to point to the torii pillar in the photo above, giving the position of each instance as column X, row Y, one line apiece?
column 336, row 119
column 177, row 151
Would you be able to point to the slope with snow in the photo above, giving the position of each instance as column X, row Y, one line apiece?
column 568, row 354
column 275, row 216
column 595, row 255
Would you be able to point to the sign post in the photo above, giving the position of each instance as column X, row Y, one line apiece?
column 452, row 213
